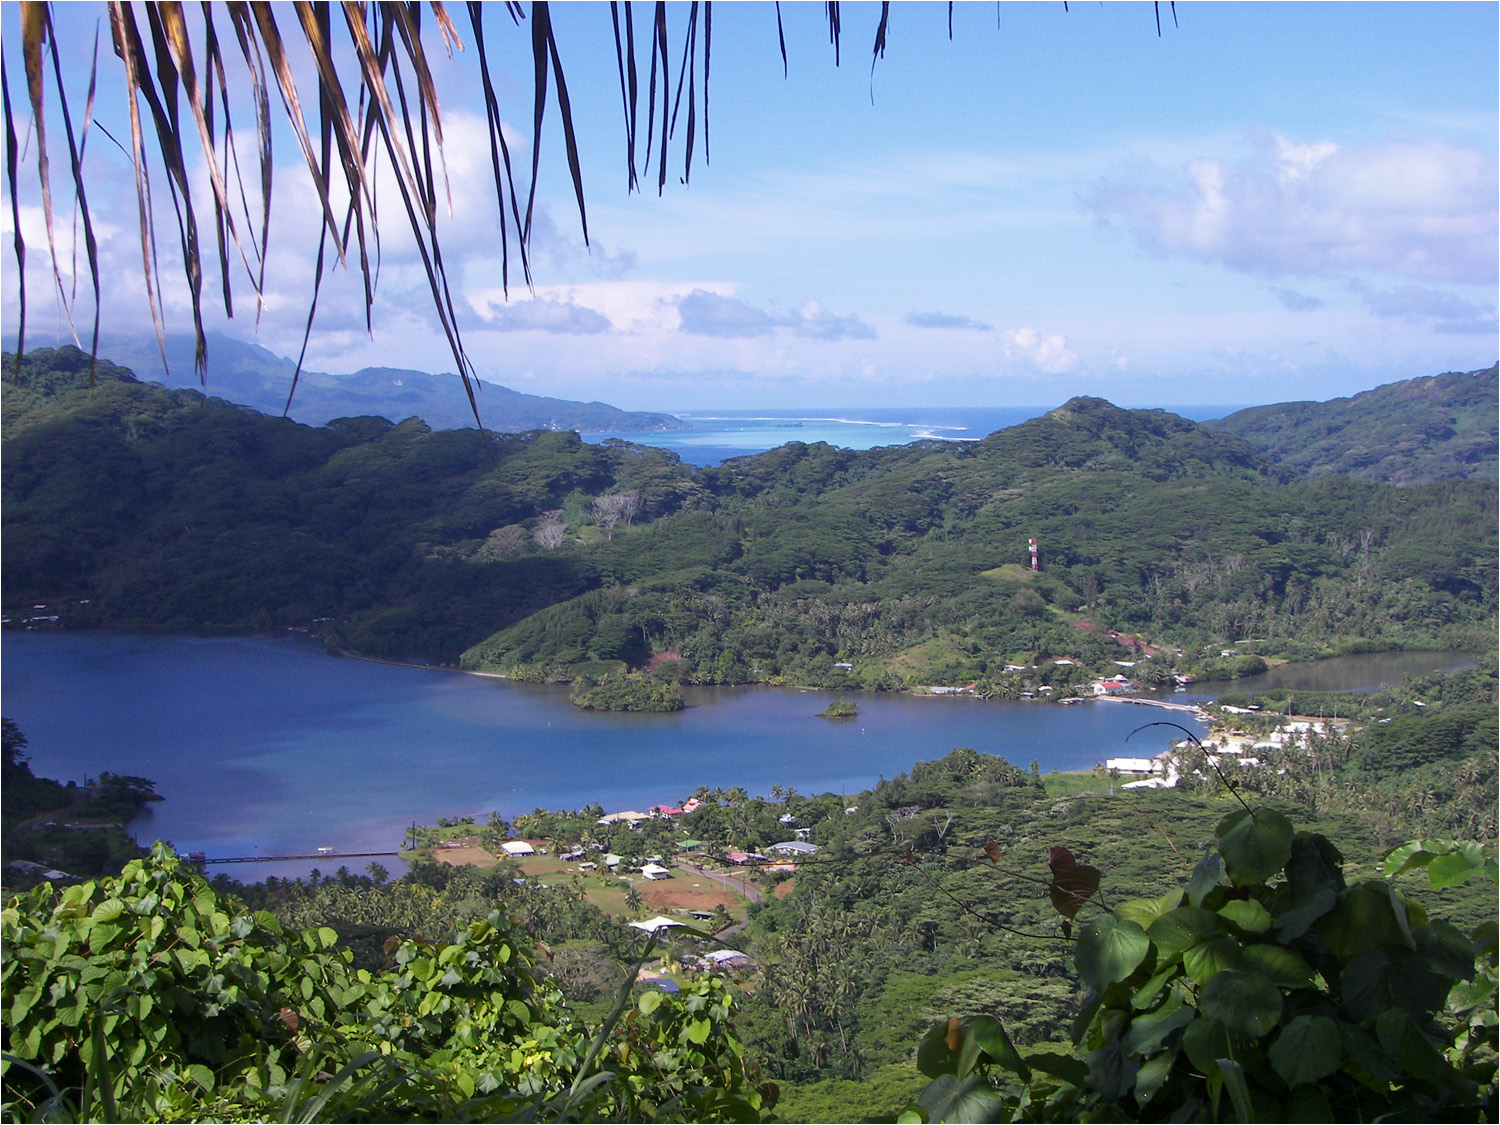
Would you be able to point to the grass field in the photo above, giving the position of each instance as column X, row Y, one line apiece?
column 1076, row 783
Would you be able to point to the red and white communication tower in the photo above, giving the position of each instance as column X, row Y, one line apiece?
column 1033, row 554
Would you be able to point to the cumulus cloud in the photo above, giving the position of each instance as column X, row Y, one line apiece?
column 559, row 317
column 1049, row 353
column 702, row 313
column 1445, row 312
column 1293, row 300
column 944, row 320
column 712, row 314
column 814, row 321
column 1419, row 209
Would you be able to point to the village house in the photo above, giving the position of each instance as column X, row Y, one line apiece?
column 1136, row 767
column 794, row 847
column 632, row 817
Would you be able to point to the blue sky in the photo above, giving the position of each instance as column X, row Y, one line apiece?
column 1268, row 202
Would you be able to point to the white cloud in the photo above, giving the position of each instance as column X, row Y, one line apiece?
column 713, row 314
column 557, row 317
column 1417, row 209
column 1049, row 353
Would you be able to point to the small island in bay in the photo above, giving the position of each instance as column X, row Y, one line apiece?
column 841, row 708
column 628, row 691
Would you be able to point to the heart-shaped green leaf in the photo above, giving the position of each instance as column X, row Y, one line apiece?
column 1247, row 1004
column 1255, row 845
column 1109, row 950
column 1307, row 1050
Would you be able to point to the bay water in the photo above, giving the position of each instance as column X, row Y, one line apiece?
column 270, row 746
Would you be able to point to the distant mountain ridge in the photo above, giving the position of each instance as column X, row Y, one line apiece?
column 253, row 376
column 1417, row 431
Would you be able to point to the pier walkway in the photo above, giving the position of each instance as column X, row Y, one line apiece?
column 1189, row 708
column 279, row 858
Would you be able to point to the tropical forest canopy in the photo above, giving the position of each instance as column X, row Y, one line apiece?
column 536, row 554
column 972, row 941
column 1442, row 427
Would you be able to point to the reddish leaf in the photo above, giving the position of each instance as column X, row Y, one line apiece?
column 1060, row 860
column 992, row 850
column 288, row 1017
column 1072, row 887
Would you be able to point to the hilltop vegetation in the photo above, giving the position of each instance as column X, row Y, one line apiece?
column 541, row 557
column 1443, row 427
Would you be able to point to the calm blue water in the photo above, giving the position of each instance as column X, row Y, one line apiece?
column 717, row 435
column 271, row 747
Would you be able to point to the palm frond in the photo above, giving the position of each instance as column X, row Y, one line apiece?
column 181, row 87
column 381, row 109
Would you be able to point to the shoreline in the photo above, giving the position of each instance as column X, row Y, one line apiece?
column 920, row 691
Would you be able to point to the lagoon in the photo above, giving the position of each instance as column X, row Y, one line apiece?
column 269, row 746
column 714, row 436
column 1357, row 672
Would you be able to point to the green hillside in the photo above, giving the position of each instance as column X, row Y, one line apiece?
column 130, row 504
column 1443, row 427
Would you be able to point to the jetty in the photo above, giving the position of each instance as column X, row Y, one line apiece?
column 279, row 858
column 1189, row 708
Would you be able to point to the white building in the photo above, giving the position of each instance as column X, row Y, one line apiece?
column 1134, row 765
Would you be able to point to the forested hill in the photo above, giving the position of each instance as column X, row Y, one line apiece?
column 1443, row 427
column 252, row 376
column 130, row 504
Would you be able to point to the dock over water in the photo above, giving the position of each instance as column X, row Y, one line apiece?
column 278, row 858
column 1188, row 708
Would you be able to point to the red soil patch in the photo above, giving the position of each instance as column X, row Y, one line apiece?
column 660, row 658
column 784, row 888
column 1129, row 640
column 670, row 894
column 464, row 857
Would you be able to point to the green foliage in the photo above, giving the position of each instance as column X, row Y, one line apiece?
column 1418, row 430
column 1268, row 988
column 1408, row 741
column 632, row 691
column 85, row 838
column 134, row 505
column 151, row 997
column 840, row 709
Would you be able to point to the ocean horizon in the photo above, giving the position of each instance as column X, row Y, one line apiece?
column 717, row 435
